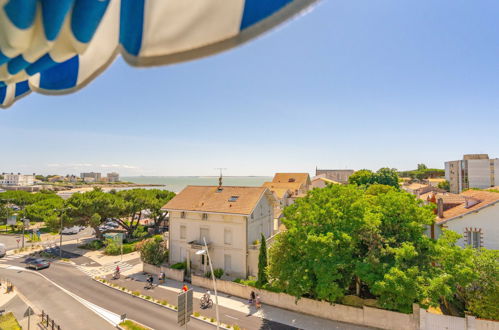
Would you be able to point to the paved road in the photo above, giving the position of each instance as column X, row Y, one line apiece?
column 76, row 282
column 66, row 311
column 10, row 241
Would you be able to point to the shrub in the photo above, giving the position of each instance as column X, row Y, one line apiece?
column 196, row 314
column 148, row 297
column 152, row 251
column 163, row 302
column 179, row 265
column 237, row 280
column 212, row 320
column 136, row 293
column 112, row 248
column 218, row 272
column 93, row 245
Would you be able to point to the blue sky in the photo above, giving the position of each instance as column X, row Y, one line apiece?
column 351, row 84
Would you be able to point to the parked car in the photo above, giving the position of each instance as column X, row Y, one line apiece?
column 111, row 224
column 38, row 264
column 70, row 231
column 3, row 250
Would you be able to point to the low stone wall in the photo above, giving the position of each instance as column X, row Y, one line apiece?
column 486, row 325
column 174, row 274
column 151, row 269
column 367, row 316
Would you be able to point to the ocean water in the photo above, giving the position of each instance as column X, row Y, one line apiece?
column 177, row 183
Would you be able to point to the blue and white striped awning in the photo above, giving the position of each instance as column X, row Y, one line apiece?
column 59, row 46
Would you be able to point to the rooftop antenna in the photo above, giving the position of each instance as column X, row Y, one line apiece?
column 220, row 177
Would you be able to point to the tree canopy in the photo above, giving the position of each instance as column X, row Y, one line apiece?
column 384, row 176
column 344, row 240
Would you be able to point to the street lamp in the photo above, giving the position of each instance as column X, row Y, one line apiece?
column 205, row 251
column 60, row 233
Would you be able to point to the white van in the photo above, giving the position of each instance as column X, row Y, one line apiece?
column 3, row 250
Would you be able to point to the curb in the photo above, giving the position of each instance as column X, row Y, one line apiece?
column 142, row 325
column 200, row 318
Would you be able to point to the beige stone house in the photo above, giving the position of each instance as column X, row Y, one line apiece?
column 231, row 219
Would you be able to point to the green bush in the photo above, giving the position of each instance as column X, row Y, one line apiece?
column 179, row 265
column 152, row 251
column 93, row 245
column 112, row 248
column 218, row 272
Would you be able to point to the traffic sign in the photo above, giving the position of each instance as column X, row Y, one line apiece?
column 184, row 307
column 28, row 312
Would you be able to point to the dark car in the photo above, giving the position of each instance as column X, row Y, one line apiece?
column 38, row 264
column 30, row 259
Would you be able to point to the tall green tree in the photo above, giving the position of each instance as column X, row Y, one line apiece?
column 343, row 240
column 262, row 263
column 93, row 207
column 384, row 176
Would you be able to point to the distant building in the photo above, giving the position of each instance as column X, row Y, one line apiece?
column 18, row 179
column 472, row 214
column 420, row 188
column 340, row 176
column 113, row 177
column 321, row 181
column 90, row 177
column 473, row 171
column 230, row 219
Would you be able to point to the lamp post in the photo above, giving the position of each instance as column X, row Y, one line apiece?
column 60, row 232
column 205, row 251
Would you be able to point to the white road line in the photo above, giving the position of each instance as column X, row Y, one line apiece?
column 109, row 316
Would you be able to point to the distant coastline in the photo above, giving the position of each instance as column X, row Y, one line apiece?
column 177, row 183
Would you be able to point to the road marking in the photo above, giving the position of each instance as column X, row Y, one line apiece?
column 232, row 317
column 109, row 316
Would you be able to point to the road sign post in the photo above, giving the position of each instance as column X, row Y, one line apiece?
column 28, row 313
column 184, row 309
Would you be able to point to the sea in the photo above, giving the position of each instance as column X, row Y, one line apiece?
column 177, row 183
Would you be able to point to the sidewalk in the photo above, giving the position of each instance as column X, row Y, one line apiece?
column 233, row 310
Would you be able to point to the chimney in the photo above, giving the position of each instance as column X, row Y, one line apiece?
column 440, row 208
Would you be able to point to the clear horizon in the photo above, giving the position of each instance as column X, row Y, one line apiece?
column 348, row 85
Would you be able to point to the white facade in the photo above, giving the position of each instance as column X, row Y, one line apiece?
column 18, row 179
column 472, row 172
column 228, row 236
column 479, row 229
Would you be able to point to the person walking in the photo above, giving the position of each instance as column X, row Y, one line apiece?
column 161, row 277
column 252, row 298
column 258, row 302
column 185, row 288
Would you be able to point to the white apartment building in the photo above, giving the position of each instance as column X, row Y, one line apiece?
column 113, row 177
column 231, row 219
column 473, row 171
column 11, row 179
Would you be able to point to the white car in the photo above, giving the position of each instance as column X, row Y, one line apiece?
column 3, row 250
column 71, row 230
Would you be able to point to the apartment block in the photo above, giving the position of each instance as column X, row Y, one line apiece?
column 473, row 171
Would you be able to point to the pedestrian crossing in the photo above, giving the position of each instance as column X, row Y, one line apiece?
column 105, row 269
column 13, row 257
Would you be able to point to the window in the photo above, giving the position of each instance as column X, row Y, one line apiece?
column 205, row 216
column 228, row 236
column 233, row 198
column 182, row 215
column 183, row 232
column 474, row 238
column 204, row 233
column 227, row 262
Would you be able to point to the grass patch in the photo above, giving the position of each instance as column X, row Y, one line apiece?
column 8, row 321
column 130, row 325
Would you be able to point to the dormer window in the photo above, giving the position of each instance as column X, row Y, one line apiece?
column 205, row 216
column 291, row 180
column 182, row 215
column 233, row 198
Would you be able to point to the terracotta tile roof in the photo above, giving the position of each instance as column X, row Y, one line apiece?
column 209, row 199
column 478, row 199
column 280, row 192
column 292, row 186
column 302, row 178
column 447, row 198
column 415, row 186
column 325, row 180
